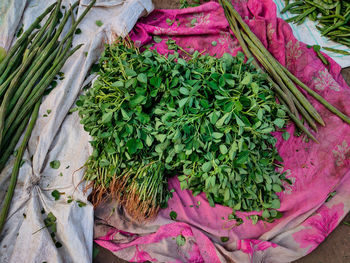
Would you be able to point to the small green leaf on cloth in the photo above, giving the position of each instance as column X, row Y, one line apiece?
column 224, row 239
column 180, row 240
column 56, row 194
column 173, row 215
column 99, row 23
column 55, row 164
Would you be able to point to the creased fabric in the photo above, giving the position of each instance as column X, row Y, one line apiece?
column 58, row 136
column 316, row 170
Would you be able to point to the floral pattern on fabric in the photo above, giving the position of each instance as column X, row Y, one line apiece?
column 227, row 42
column 249, row 246
column 198, row 20
column 142, row 256
column 341, row 153
column 318, row 227
column 293, row 53
column 309, row 166
column 325, row 80
column 270, row 31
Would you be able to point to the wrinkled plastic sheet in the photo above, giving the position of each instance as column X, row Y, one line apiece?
column 58, row 136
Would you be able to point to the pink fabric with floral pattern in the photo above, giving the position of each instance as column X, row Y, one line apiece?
column 316, row 170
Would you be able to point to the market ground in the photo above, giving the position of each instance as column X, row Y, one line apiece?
column 335, row 249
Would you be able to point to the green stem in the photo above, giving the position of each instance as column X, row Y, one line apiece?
column 16, row 167
column 10, row 92
column 41, row 87
column 25, row 35
column 319, row 98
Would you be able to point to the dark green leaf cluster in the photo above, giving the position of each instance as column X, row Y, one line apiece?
column 206, row 119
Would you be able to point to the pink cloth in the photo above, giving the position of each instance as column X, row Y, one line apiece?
column 316, row 170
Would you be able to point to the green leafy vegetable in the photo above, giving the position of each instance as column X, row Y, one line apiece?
column 99, row 23
column 55, row 164
column 180, row 240
column 173, row 215
column 224, row 239
column 205, row 119
column 56, row 194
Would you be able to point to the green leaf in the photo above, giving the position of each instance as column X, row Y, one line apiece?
column 279, row 123
column 223, row 149
column 130, row 72
column 206, row 167
column 214, row 43
column 317, row 48
column 266, row 214
column 247, row 79
column 242, row 157
column 276, row 204
column 182, row 102
column 142, row 78
column 56, row 194
column 149, row 140
column 276, row 188
column 132, row 146
column 99, row 23
column 180, row 240
column 157, row 39
column 107, row 117
column 286, row 136
column 173, row 215
column 217, row 135
column 224, row 239
column 169, row 21
column 184, row 91
column 193, row 21
column 58, row 244
column 80, row 203
column 181, row 62
column 55, row 164
column 255, row 88
column 125, row 114
column 230, row 82
column 161, row 137
column 239, row 121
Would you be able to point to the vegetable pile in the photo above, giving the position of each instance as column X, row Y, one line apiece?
column 283, row 81
column 26, row 72
column 208, row 120
column 333, row 17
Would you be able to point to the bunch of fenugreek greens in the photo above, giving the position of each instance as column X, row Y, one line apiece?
column 208, row 120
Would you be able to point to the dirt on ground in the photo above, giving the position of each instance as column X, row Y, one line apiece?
column 335, row 249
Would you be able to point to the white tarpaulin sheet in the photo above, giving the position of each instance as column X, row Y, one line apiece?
column 309, row 34
column 58, row 136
